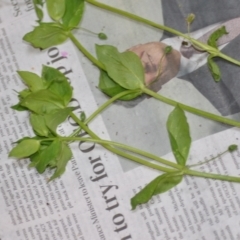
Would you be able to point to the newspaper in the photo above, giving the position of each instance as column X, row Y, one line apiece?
column 92, row 199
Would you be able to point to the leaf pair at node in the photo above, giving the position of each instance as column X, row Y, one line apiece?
column 180, row 140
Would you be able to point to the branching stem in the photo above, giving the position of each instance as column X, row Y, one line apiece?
column 206, row 47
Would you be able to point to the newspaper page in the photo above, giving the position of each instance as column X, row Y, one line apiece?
column 86, row 202
column 92, row 199
column 11, row 11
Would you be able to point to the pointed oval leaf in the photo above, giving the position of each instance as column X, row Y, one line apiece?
column 46, row 35
column 49, row 154
column 58, row 83
column 25, row 148
column 24, row 93
column 212, row 41
column 56, row 8
column 214, row 69
column 38, row 11
column 62, row 159
column 42, row 102
column 109, row 87
column 169, row 181
column 18, row 107
column 57, row 117
column 51, row 74
column 35, row 158
column 62, row 90
column 32, row 80
column 159, row 185
column 39, row 125
column 124, row 68
column 74, row 12
column 179, row 135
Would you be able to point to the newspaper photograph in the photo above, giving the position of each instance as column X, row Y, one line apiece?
column 94, row 197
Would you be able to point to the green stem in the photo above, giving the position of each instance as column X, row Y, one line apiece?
column 159, row 97
column 105, row 143
column 192, row 109
column 122, row 146
column 103, row 107
column 195, row 42
column 211, row 175
column 110, row 101
column 185, row 171
column 87, row 30
column 85, row 52
column 119, row 152
column 210, row 160
column 136, row 18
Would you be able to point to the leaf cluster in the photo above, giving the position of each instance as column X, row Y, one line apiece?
column 46, row 98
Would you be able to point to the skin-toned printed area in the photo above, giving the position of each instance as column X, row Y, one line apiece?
column 159, row 66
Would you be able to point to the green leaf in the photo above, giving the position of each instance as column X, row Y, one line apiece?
column 35, row 158
column 39, row 125
column 57, row 117
column 18, row 107
column 56, row 8
column 109, row 87
column 59, row 83
column 74, row 12
column 21, row 139
column 214, row 69
column 124, row 68
column 38, row 10
column 62, row 159
column 47, row 155
column 25, row 148
column 46, row 35
column 63, row 90
column 32, row 80
column 24, row 93
column 52, row 74
column 179, row 135
column 159, row 185
column 42, row 102
column 39, row 2
column 212, row 41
